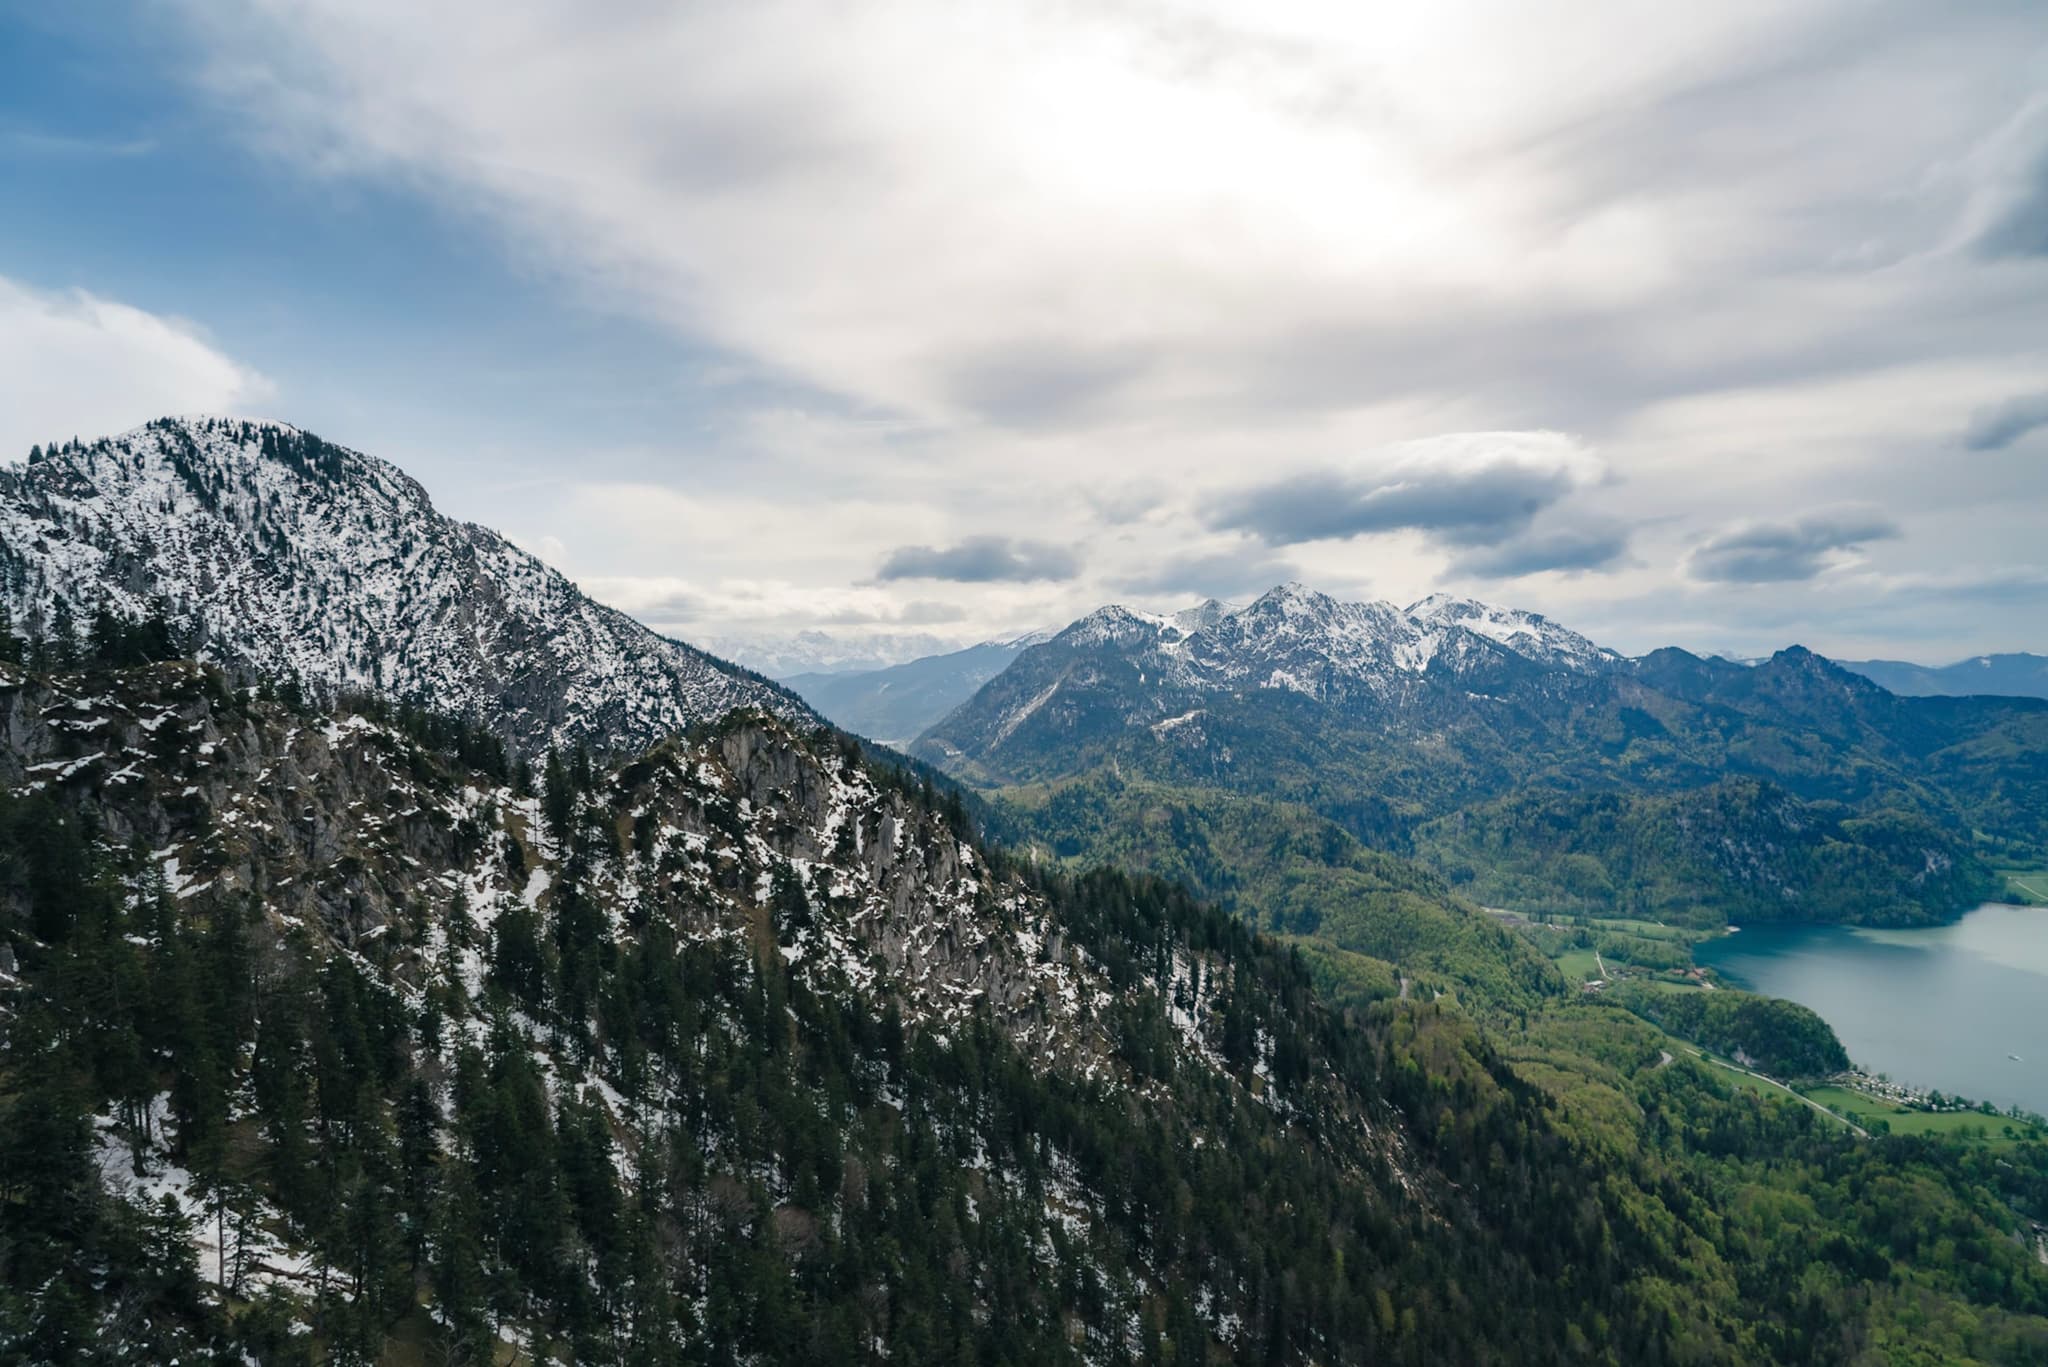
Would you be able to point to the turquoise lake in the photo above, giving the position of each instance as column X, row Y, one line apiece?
column 1943, row 1007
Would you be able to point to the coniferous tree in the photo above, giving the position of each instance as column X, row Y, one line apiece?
column 62, row 648
column 558, row 799
column 518, row 964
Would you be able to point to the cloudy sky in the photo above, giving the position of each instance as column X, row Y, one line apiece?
column 1719, row 325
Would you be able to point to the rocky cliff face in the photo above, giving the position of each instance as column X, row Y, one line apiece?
column 351, row 826
column 321, row 818
column 270, row 549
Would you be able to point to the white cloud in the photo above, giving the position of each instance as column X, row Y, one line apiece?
column 1072, row 274
column 1016, row 213
column 74, row 364
column 1463, row 488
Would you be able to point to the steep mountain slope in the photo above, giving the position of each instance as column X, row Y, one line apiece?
column 897, row 703
column 1383, row 721
column 735, row 1049
column 2019, row 675
column 269, row 548
column 323, row 1042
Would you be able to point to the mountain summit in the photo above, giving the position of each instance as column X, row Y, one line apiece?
column 271, row 549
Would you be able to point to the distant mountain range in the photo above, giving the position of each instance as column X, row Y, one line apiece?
column 268, row 548
column 900, row 702
column 2019, row 675
column 1117, row 668
column 805, row 653
column 1496, row 742
column 896, row 703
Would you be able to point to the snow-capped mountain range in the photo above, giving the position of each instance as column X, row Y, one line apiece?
column 1296, row 638
column 270, row 548
column 1119, row 668
column 1291, row 637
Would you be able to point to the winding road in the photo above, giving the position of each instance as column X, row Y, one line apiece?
column 1773, row 1082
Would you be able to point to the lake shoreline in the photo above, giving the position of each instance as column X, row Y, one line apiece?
column 1948, row 1008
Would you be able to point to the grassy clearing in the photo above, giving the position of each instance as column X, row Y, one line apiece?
column 1969, row 1126
column 1651, row 930
column 1670, row 984
column 1746, row 1082
column 2027, row 885
column 1737, row 1074
column 1578, row 965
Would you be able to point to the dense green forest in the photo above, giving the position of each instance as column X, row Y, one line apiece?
column 1781, row 1038
column 1735, row 851
column 399, row 1059
column 811, row 1181
column 1285, row 869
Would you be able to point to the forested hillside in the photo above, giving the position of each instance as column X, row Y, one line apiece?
column 1740, row 850
column 1294, row 874
column 1782, row 1038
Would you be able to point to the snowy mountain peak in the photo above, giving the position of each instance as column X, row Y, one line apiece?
column 1202, row 616
column 1114, row 624
column 1441, row 605
column 1526, row 633
column 271, row 549
column 1297, row 638
column 1292, row 635
column 1293, row 599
